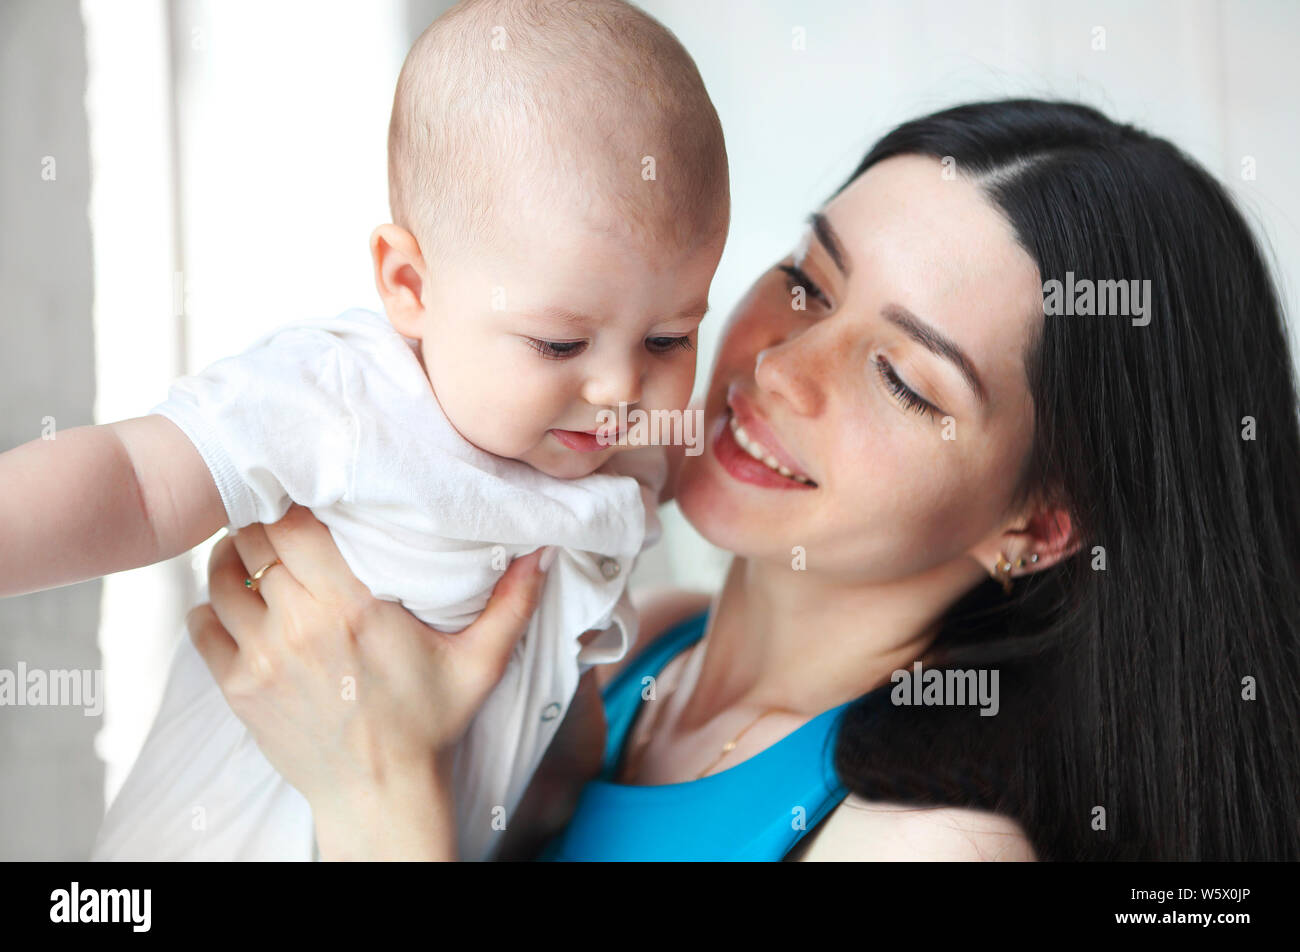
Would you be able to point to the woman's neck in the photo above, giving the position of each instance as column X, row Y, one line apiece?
column 778, row 638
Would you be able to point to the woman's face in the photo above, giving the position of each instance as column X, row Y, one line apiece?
column 907, row 279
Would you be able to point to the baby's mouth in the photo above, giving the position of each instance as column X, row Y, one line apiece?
column 585, row 441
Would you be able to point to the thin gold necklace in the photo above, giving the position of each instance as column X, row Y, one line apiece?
column 730, row 745
column 727, row 748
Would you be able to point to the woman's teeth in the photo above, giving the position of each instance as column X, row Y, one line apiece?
column 756, row 450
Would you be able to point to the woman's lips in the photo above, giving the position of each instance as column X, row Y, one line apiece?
column 757, row 436
column 740, row 465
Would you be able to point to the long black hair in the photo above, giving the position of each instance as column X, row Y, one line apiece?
column 1150, row 684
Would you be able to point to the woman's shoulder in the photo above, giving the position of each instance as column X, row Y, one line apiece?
column 863, row 830
column 657, row 613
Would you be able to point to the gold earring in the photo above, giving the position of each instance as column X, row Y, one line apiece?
column 1002, row 572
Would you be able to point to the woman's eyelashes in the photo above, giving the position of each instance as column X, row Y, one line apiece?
column 904, row 394
column 560, row 350
column 797, row 277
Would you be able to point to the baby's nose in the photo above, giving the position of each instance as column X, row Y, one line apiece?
column 612, row 386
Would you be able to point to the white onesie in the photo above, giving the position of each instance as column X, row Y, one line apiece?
column 338, row 415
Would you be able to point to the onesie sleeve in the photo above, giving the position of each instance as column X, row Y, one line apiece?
column 273, row 424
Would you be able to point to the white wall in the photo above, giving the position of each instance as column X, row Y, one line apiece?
column 50, row 779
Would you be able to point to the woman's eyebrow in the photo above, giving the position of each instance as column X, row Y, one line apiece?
column 936, row 343
column 915, row 328
column 821, row 227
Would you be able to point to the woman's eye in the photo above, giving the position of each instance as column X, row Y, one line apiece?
column 902, row 392
column 557, row 350
column 663, row 345
column 797, row 277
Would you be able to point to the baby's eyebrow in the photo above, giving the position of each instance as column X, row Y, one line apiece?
column 568, row 318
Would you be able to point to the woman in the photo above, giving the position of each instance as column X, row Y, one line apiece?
column 1129, row 478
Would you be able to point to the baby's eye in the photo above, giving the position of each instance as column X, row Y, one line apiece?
column 557, row 350
column 663, row 345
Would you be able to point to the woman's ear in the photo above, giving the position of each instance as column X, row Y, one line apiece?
column 1045, row 539
column 1049, row 534
column 399, row 278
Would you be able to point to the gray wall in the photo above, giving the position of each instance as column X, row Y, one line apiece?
column 51, row 782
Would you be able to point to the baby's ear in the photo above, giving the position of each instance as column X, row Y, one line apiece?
column 399, row 278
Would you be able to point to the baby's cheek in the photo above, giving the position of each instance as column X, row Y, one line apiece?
column 519, row 431
column 486, row 416
column 672, row 385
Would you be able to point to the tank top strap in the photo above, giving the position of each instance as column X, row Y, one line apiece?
column 622, row 695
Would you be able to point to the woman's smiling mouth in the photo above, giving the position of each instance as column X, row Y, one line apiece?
column 759, row 452
column 745, row 448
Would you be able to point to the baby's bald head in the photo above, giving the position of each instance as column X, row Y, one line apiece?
column 586, row 108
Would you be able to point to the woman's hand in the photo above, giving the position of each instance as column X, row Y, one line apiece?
column 352, row 699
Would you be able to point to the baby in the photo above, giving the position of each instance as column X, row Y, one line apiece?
column 559, row 193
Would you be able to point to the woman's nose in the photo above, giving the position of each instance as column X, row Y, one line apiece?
column 793, row 369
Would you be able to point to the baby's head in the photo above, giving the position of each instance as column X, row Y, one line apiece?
column 559, row 193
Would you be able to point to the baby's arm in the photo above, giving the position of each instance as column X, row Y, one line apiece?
column 101, row 499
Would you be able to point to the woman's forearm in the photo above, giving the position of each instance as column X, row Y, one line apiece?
column 410, row 817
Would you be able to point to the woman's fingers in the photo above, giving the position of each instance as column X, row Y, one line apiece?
column 256, row 551
column 305, row 545
column 237, row 609
column 213, row 643
column 505, row 618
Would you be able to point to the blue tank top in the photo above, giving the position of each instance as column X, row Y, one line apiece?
column 757, row 810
